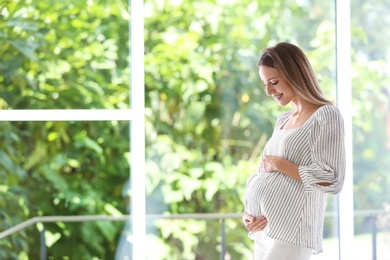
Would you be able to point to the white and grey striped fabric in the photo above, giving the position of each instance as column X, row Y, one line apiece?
column 295, row 210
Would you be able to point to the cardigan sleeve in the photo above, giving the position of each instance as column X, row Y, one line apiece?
column 326, row 140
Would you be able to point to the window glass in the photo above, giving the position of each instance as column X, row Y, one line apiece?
column 64, row 55
column 208, row 117
column 371, row 127
column 63, row 169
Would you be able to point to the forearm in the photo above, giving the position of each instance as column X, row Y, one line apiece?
column 291, row 169
column 288, row 168
column 279, row 164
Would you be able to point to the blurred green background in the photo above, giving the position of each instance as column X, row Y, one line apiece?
column 207, row 116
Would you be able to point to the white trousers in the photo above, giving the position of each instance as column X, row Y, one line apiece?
column 267, row 248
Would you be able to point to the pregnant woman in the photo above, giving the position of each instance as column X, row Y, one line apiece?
column 303, row 161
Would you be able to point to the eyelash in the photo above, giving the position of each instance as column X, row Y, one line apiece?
column 272, row 83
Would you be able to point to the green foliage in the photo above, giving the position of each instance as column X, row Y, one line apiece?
column 371, row 107
column 63, row 55
column 207, row 116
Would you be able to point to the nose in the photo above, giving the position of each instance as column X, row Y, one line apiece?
column 269, row 90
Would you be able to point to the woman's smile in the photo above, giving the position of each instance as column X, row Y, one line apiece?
column 277, row 97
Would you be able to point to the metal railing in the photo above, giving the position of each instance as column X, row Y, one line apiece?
column 88, row 218
column 373, row 214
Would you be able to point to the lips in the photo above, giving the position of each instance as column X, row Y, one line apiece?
column 277, row 97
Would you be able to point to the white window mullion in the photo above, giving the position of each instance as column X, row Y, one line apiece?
column 66, row 115
column 138, row 208
column 344, row 97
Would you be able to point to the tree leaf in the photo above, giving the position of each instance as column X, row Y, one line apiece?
column 25, row 47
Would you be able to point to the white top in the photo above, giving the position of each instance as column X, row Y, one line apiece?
column 295, row 210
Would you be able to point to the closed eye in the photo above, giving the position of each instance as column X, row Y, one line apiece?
column 274, row 83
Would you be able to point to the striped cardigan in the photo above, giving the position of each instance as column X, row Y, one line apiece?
column 295, row 209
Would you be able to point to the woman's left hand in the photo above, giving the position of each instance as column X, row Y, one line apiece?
column 270, row 163
column 273, row 163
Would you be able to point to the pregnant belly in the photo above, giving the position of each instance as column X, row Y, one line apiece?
column 273, row 195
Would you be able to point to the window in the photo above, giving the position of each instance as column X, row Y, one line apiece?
column 208, row 117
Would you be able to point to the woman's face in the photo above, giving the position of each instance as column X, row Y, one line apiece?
column 276, row 85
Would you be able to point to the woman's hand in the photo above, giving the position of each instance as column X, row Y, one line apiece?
column 253, row 224
column 272, row 163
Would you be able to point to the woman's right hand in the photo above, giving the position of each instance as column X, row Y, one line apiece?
column 253, row 224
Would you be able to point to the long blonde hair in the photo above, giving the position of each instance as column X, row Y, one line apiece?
column 293, row 64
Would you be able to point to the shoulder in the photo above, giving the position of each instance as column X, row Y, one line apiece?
column 328, row 114
column 286, row 114
column 328, row 111
column 283, row 117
